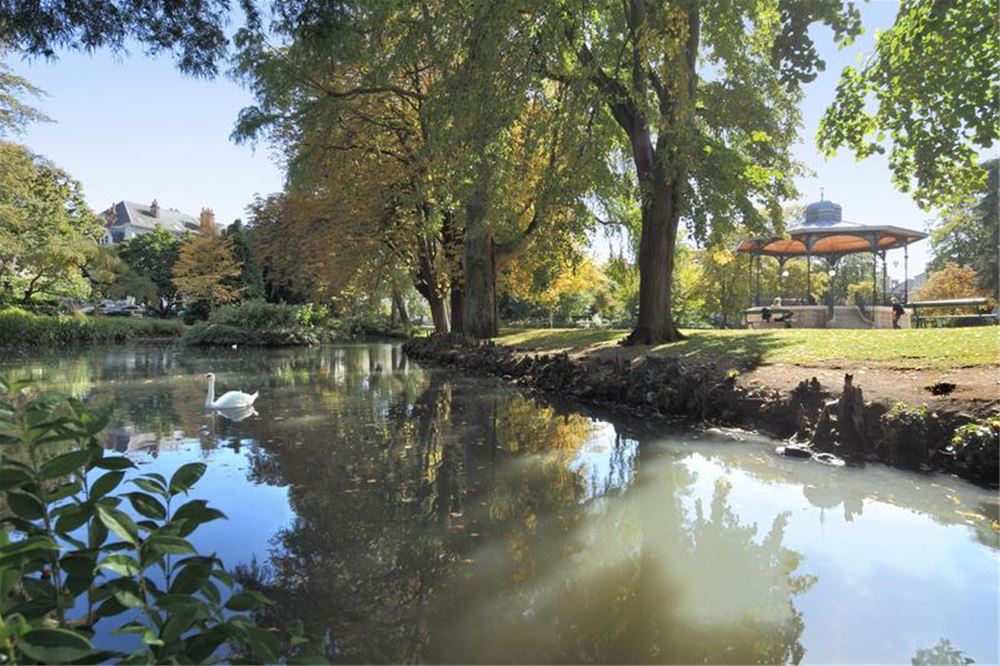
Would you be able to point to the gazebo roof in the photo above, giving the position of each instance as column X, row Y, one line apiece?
column 823, row 232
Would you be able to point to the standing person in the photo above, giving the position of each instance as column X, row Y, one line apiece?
column 897, row 312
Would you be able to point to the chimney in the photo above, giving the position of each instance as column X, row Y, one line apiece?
column 154, row 208
column 207, row 221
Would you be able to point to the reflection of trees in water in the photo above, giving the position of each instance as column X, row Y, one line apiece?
column 460, row 528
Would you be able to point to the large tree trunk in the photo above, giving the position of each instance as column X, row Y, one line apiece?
column 399, row 310
column 479, row 316
column 660, row 219
column 452, row 239
column 427, row 281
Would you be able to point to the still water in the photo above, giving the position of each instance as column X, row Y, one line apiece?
column 413, row 514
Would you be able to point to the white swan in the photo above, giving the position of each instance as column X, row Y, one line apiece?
column 227, row 400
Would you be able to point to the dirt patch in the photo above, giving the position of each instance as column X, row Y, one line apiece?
column 975, row 391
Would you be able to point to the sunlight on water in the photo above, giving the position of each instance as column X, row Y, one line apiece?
column 414, row 514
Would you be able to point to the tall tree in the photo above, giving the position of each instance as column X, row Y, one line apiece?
column 205, row 270
column 152, row 256
column 932, row 87
column 46, row 228
column 968, row 234
column 705, row 93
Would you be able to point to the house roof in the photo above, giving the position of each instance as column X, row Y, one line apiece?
column 140, row 215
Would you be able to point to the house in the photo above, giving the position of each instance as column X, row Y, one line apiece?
column 905, row 290
column 127, row 219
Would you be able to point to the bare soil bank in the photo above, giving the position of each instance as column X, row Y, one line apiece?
column 827, row 413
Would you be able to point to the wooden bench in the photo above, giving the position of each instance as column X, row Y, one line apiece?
column 973, row 318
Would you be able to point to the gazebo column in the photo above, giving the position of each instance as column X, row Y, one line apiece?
column 750, row 276
column 781, row 275
column 757, row 300
column 874, row 242
column 885, row 278
column 906, row 271
column 809, row 246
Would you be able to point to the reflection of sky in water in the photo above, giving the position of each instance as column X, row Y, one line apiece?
column 890, row 580
column 901, row 560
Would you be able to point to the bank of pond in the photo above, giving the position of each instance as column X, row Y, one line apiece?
column 251, row 323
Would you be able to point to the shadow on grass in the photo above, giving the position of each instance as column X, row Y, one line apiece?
column 742, row 351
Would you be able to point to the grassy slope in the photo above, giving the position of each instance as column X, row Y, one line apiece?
column 24, row 329
column 907, row 348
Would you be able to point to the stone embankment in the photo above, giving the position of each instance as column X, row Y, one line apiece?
column 813, row 422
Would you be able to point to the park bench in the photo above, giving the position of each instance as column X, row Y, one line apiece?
column 780, row 318
column 974, row 316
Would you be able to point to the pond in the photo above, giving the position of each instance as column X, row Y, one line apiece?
column 413, row 514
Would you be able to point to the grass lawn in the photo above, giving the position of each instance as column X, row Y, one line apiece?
column 907, row 348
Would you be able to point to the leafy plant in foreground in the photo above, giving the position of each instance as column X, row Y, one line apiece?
column 72, row 556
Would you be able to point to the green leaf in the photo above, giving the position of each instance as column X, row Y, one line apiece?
column 66, row 463
column 121, row 564
column 105, row 484
column 195, row 513
column 12, row 477
column 246, row 600
column 115, row 463
column 151, row 486
column 147, row 505
column 63, row 491
column 54, row 646
column 27, row 549
column 74, row 517
column 158, row 545
column 118, row 522
column 25, row 505
column 186, row 476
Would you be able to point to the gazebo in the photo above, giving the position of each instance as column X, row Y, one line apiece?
column 824, row 233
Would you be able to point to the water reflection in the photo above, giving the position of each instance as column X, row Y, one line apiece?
column 438, row 517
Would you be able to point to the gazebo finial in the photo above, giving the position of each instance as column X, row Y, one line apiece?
column 821, row 194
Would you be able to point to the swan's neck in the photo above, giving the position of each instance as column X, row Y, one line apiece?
column 210, row 398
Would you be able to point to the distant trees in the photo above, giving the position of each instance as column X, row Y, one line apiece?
column 968, row 234
column 953, row 281
column 152, row 257
column 46, row 229
column 206, row 271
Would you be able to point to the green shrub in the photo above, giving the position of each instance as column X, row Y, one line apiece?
column 73, row 555
column 19, row 328
column 976, row 449
column 909, row 433
column 260, row 323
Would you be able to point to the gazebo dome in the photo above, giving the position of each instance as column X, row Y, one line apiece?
column 822, row 213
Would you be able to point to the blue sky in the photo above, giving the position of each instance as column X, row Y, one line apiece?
column 134, row 128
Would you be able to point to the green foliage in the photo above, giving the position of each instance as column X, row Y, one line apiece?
column 88, row 539
column 19, row 328
column 46, row 230
column 941, row 654
column 15, row 114
column 935, row 85
column 969, row 235
column 976, row 447
column 191, row 29
column 909, row 432
column 260, row 323
column 152, row 257
column 251, row 279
